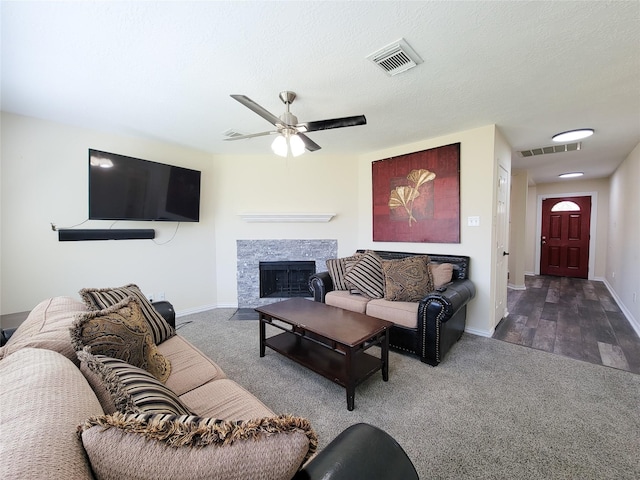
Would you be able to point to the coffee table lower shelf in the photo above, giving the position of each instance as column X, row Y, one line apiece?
column 326, row 361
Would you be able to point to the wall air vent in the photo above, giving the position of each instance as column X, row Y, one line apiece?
column 569, row 147
column 395, row 58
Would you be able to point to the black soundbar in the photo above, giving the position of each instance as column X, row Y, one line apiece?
column 72, row 235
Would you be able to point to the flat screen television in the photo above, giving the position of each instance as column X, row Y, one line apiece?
column 127, row 188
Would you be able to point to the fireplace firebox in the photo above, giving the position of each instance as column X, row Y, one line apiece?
column 285, row 279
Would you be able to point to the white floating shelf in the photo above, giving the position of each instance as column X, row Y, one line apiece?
column 287, row 217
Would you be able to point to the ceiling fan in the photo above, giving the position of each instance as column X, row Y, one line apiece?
column 291, row 134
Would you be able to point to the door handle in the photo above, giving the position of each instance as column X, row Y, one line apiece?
column 504, row 254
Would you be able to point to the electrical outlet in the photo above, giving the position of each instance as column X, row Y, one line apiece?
column 613, row 274
column 473, row 221
column 160, row 297
column 150, row 297
column 635, row 297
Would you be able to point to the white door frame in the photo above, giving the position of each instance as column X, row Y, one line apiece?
column 592, row 227
column 501, row 245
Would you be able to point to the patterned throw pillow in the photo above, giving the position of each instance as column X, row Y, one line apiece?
column 366, row 275
column 124, row 388
column 101, row 298
column 408, row 279
column 200, row 447
column 120, row 332
column 337, row 268
column 442, row 273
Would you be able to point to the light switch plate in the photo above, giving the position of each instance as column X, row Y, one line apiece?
column 473, row 221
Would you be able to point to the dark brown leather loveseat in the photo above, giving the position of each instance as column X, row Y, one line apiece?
column 441, row 314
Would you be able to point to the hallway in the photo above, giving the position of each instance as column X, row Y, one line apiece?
column 571, row 317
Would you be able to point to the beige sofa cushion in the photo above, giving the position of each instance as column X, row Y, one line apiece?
column 343, row 299
column 401, row 313
column 47, row 326
column 43, row 398
column 158, row 447
column 226, row 400
column 190, row 368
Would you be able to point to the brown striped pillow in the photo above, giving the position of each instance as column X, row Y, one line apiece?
column 337, row 268
column 124, row 388
column 100, row 298
column 120, row 331
column 366, row 275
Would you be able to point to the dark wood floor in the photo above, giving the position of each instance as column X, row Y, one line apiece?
column 572, row 317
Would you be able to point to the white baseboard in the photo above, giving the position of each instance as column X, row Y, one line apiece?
column 201, row 309
column 516, row 287
column 479, row 332
column 633, row 321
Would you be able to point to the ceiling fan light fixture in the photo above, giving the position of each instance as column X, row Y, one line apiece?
column 297, row 145
column 573, row 135
column 279, row 146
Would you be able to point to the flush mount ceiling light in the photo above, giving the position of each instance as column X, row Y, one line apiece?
column 571, row 175
column 573, row 135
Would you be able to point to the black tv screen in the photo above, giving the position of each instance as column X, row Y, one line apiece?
column 127, row 188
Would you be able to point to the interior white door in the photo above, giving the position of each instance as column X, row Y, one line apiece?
column 502, row 271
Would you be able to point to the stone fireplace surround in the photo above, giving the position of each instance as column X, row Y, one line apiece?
column 251, row 252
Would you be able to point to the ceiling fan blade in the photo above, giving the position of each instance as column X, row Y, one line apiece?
column 334, row 123
column 308, row 143
column 251, row 105
column 251, row 135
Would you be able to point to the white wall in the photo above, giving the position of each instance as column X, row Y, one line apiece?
column 623, row 252
column 44, row 180
column 477, row 180
column 312, row 183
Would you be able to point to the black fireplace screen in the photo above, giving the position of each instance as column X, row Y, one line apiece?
column 286, row 279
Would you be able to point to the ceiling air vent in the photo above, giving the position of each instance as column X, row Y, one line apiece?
column 395, row 58
column 232, row 133
column 569, row 147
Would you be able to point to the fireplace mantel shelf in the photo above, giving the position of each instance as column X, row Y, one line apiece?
column 286, row 217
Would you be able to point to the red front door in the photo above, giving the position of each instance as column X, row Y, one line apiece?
column 565, row 237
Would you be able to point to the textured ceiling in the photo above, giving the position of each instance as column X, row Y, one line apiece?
column 165, row 70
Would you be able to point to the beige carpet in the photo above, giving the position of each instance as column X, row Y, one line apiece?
column 491, row 410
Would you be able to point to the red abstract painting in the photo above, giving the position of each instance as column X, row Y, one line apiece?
column 416, row 197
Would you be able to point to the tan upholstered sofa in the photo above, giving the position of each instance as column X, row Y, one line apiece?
column 45, row 398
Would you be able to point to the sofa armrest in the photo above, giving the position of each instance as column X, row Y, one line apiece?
column 319, row 284
column 361, row 452
column 165, row 309
column 447, row 300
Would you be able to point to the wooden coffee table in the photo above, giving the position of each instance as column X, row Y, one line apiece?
column 329, row 340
